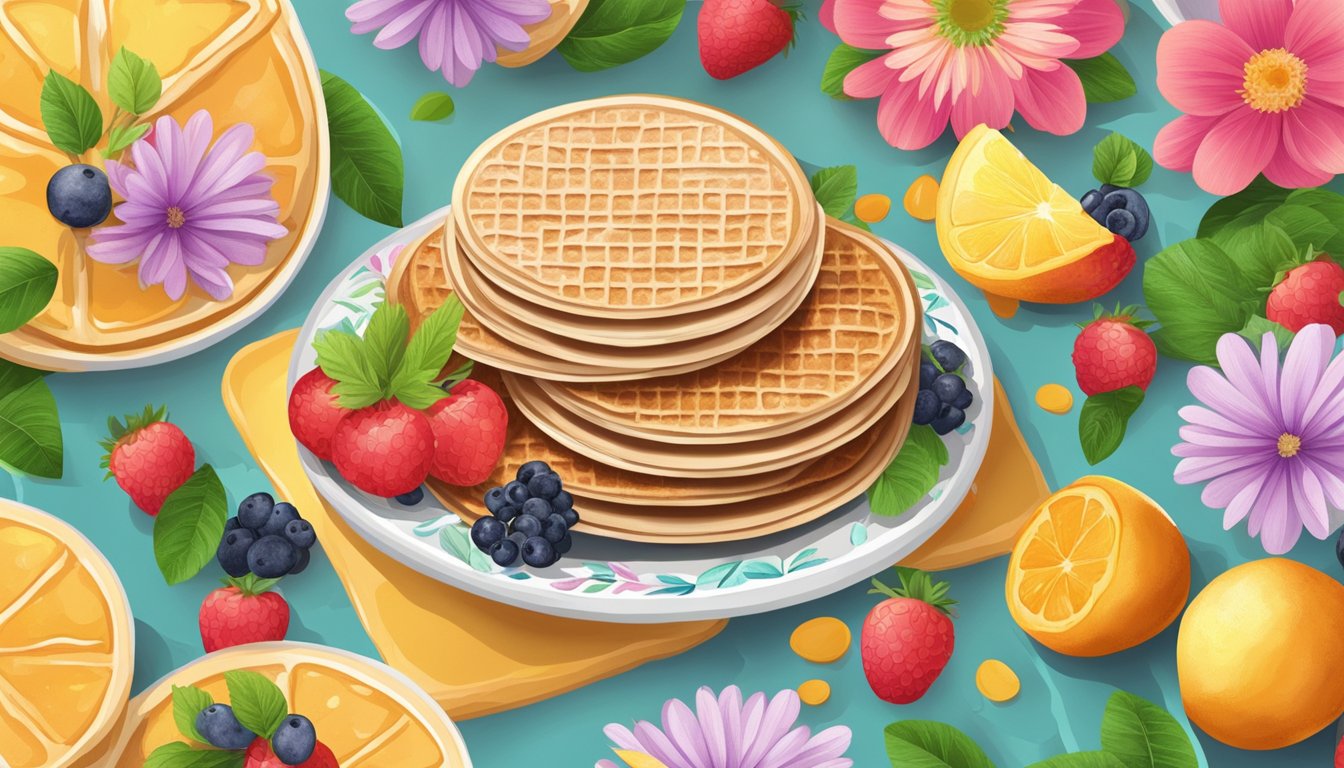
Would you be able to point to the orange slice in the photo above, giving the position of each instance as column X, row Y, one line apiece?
column 66, row 648
column 241, row 60
column 1099, row 568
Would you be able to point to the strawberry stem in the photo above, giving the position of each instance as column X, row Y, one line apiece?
column 250, row 584
column 917, row 585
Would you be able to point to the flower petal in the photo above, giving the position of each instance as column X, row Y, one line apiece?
column 1314, row 33
column 862, row 24
column 1214, row 391
column 1261, row 23
column 1051, row 101
column 991, row 105
column 1314, row 134
column 870, row 79
column 1236, row 150
column 1286, row 172
column 908, row 121
column 1097, row 25
column 1200, row 67
column 1303, row 367
column 1179, row 140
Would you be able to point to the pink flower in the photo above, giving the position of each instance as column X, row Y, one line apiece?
column 972, row 61
column 1262, row 93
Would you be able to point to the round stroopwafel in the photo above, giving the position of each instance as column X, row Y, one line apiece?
column 632, row 206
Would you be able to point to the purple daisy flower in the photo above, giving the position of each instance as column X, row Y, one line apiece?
column 1270, row 444
column 726, row 733
column 190, row 209
column 456, row 36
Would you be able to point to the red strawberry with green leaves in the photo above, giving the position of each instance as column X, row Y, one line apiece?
column 740, row 35
column 470, row 427
column 1307, row 294
column 908, row 638
column 314, row 411
column 261, row 755
column 243, row 611
column 149, row 457
column 1114, row 359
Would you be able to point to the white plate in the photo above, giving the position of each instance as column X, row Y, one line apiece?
column 1176, row 11
column 609, row 580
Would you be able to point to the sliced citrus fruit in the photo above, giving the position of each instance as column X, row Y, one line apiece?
column 546, row 34
column 66, row 648
column 1010, row 231
column 369, row 714
column 240, row 60
column 1099, row 568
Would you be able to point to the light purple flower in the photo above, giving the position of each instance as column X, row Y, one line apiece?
column 456, row 36
column 727, row 733
column 190, row 209
column 1270, row 444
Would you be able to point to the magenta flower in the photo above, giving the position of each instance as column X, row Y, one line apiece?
column 725, row 732
column 456, row 36
column 1270, row 444
column 190, row 209
column 972, row 61
column 1263, row 92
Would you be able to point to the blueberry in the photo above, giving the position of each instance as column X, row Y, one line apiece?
column 495, row 499
column 232, row 552
column 411, row 498
column 948, row 387
column 964, row 400
column 538, row 508
column 301, row 564
column 544, row 486
column 1122, row 223
column 527, row 525
column 927, row 373
column 232, row 524
column 1091, row 200
column 255, row 510
column 517, row 539
column 926, row 406
column 506, row 514
column 948, row 419
column 1130, row 200
column 79, row 196
column 1106, row 189
column 516, row 493
column 487, row 532
column 949, row 355
column 221, row 728
column 538, row 552
column 565, row 543
column 554, row 529
column 570, row 517
column 300, row 533
column 532, row 469
column 561, row 501
column 504, row 553
column 281, row 515
column 1339, row 548
column 295, row 740
column 271, row 557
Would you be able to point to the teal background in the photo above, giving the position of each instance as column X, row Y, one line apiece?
column 1062, row 698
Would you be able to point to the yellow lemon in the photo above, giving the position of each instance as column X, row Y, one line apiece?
column 1010, row 231
column 1260, row 654
column 1099, row 568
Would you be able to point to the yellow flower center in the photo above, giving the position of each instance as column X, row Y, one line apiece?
column 176, row 218
column 972, row 15
column 970, row 22
column 1289, row 445
column 1275, row 81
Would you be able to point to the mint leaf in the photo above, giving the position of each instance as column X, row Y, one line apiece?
column 1256, row 328
column 258, row 703
column 27, row 282
column 433, row 107
column 1081, row 760
column 123, row 136
column 835, row 189
column 1197, row 293
column 1260, row 253
column 181, row 755
column 30, row 425
column 385, row 341
column 911, row 475
column 1143, row 735
column 928, row 744
column 1102, row 422
column 133, row 83
column 615, row 32
column 1104, row 78
column 367, row 169
column 188, row 701
column 843, row 60
column 1329, row 204
column 189, row 526
column 1251, row 204
column 428, row 351
column 342, row 357
column 1119, row 161
column 70, row 115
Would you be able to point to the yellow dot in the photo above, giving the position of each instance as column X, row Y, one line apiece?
column 821, row 640
column 814, row 693
column 1054, row 398
column 921, row 199
column 872, row 208
column 997, row 681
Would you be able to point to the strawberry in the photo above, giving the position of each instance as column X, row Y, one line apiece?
column 243, row 611
column 738, row 35
column 385, row 449
column 469, row 431
column 314, row 411
column 1339, row 755
column 149, row 457
column 907, row 639
column 1309, row 294
column 1113, row 352
column 260, row 755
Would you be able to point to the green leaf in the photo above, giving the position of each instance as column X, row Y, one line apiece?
column 385, row 341
column 835, row 189
column 189, row 526
column 433, row 107
column 367, row 169
column 911, row 475
column 1143, row 735
column 1120, row 161
column 342, row 357
column 929, row 744
column 1252, row 203
column 1256, row 328
column 70, row 115
column 428, row 351
column 1261, row 252
column 1104, row 78
column 1198, row 294
column 133, row 83
column 181, row 755
column 844, row 59
column 30, row 426
column 13, row 376
column 27, row 282
column 1081, row 760
column 1102, row 422
column 258, row 703
column 615, row 32
column 188, row 701
column 123, row 136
